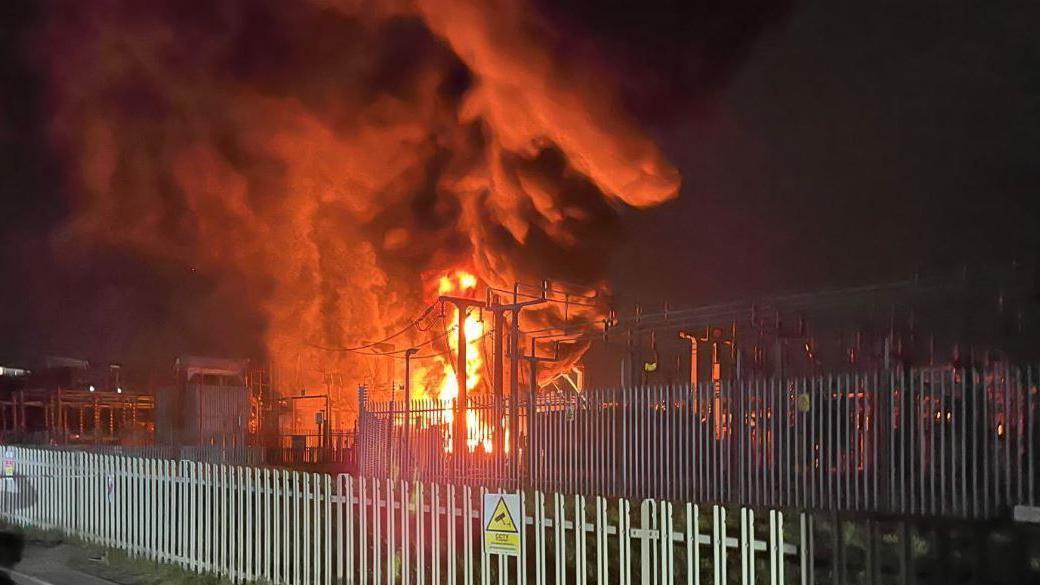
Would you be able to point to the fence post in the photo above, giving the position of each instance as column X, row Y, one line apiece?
column 249, row 495
column 377, row 529
column 602, row 566
column 279, row 501
column 209, row 487
column 485, row 557
column 242, row 528
column 805, row 549
column 222, row 534
column 391, row 534
column 267, row 554
column 183, row 512
column 559, row 538
column 624, row 542
column 580, row 554
column 294, row 505
column 667, row 553
column 539, row 538
column 344, row 532
column 747, row 546
column 306, row 561
column 435, row 532
column 327, row 528
column 718, row 542
column 158, row 506
column 467, row 535
column 154, row 490
column 776, row 548
column 362, row 548
column 693, row 544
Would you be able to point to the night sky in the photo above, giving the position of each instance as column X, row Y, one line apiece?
column 823, row 144
column 860, row 143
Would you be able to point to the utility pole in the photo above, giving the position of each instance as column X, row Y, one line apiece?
column 497, row 383
column 629, row 377
column 459, row 427
column 514, row 379
column 499, row 311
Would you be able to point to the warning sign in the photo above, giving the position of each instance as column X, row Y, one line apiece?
column 502, row 523
column 501, row 519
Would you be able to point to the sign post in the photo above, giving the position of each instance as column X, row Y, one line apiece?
column 502, row 522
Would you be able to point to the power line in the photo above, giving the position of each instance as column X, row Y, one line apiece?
column 360, row 348
column 787, row 302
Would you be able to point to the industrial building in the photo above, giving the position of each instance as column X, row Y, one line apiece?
column 71, row 401
column 209, row 404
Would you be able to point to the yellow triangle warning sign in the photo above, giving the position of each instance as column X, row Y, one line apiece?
column 501, row 520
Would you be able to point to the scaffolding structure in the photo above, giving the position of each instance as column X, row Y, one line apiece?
column 73, row 416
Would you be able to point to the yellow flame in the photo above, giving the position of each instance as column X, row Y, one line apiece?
column 478, row 432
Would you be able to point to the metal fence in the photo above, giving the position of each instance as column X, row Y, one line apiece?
column 332, row 452
column 339, row 457
column 416, row 441
column 203, row 453
column 287, row 527
column 923, row 442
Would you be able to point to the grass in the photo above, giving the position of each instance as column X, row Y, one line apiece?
column 121, row 568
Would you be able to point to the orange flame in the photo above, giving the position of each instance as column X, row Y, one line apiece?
column 440, row 382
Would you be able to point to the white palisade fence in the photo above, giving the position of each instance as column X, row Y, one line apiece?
column 279, row 526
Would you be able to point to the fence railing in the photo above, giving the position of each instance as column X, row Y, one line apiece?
column 415, row 440
column 288, row 527
column 340, row 458
column 923, row 442
column 201, row 453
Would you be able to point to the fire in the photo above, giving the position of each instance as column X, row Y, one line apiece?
column 314, row 162
column 478, row 432
column 440, row 382
column 464, row 284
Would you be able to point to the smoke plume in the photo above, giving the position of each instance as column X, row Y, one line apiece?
column 325, row 160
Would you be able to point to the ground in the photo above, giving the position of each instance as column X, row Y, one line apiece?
column 51, row 564
column 48, row 559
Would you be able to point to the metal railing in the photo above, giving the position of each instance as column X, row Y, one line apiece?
column 200, row 453
column 339, row 457
column 249, row 524
column 415, row 441
column 922, row 442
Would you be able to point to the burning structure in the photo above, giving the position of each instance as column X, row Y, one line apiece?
column 333, row 165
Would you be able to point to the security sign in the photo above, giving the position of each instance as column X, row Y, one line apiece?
column 502, row 522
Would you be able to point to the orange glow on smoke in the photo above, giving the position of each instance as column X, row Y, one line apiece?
column 330, row 197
